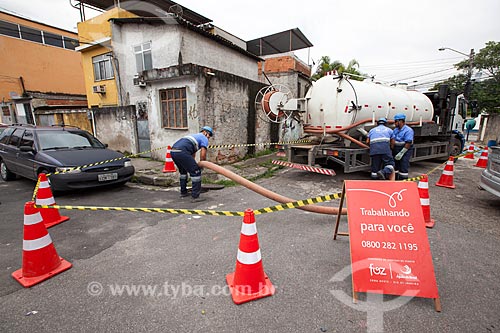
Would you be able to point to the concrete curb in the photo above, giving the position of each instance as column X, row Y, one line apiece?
column 149, row 172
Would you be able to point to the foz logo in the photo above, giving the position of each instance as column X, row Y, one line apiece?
column 406, row 269
column 375, row 270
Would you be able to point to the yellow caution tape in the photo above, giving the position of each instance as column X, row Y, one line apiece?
column 259, row 144
column 277, row 208
column 413, row 179
column 161, row 148
column 36, row 190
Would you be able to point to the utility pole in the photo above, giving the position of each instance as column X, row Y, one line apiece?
column 468, row 84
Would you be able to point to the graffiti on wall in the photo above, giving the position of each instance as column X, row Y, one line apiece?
column 193, row 112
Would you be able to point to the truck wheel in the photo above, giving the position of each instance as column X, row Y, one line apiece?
column 5, row 172
column 455, row 147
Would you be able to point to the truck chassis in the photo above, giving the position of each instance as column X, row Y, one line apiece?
column 358, row 159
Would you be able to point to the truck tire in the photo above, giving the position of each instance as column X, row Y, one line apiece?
column 455, row 147
column 5, row 172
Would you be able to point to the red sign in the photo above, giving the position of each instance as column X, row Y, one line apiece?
column 390, row 252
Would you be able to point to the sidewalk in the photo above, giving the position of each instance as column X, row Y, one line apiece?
column 149, row 172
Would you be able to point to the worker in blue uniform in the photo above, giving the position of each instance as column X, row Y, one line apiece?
column 183, row 154
column 379, row 139
column 403, row 146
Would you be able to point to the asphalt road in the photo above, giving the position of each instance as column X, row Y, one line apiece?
column 186, row 258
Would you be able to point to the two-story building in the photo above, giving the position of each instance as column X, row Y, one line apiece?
column 41, row 76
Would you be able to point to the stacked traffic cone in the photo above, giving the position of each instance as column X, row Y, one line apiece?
column 482, row 162
column 249, row 282
column 423, row 191
column 169, row 163
column 44, row 197
column 470, row 151
column 446, row 179
column 40, row 259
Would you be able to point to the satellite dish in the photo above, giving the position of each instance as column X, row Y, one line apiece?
column 176, row 10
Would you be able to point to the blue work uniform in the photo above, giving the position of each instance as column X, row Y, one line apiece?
column 380, row 151
column 183, row 156
column 401, row 137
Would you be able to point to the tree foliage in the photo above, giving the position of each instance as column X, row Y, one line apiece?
column 325, row 65
column 486, row 90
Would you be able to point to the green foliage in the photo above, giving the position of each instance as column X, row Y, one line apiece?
column 266, row 151
column 487, row 91
column 486, row 61
column 326, row 66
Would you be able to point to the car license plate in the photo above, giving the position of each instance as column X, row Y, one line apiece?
column 107, row 176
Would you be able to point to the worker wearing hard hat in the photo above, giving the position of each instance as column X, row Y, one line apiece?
column 402, row 146
column 379, row 139
column 183, row 154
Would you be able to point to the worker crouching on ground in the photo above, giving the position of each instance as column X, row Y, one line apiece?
column 183, row 154
column 379, row 139
column 403, row 146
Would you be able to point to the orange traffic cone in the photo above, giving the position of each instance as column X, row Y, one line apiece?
column 470, row 151
column 249, row 282
column 40, row 259
column 423, row 191
column 446, row 179
column 482, row 162
column 44, row 197
column 169, row 163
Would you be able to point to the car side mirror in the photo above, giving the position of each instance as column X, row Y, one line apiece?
column 26, row 149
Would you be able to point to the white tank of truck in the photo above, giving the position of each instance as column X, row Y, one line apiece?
column 335, row 103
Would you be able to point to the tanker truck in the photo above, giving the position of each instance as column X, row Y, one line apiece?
column 337, row 112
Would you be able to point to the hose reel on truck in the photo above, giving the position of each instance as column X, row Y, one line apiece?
column 271, row 101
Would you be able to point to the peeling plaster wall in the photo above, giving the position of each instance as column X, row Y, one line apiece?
column 116, row 127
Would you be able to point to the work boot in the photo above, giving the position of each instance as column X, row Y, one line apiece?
column 183, row 183
column 199, row 199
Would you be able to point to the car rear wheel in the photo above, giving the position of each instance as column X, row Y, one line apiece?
column 5, row 172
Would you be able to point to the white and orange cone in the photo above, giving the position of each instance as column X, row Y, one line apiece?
column 169, row 162
column 470, row 151
column 40, row 259
column 446, row 179
column 482, row 162
column 249, row 282
column 44, row 197
column 423, row 191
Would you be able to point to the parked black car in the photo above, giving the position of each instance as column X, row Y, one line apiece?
column 28, row 150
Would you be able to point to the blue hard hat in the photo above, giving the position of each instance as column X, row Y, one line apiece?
column 399, row 116
column 382, row 120
column 208, row 129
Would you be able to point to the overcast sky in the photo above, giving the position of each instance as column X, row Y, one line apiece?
column 395, row 40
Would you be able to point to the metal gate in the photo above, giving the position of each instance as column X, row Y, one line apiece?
column 143, row 128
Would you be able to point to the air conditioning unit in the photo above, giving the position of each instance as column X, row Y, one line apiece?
column 139, row 82
column 99, row 89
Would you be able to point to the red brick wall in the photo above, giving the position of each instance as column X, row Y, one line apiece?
column 284, row 64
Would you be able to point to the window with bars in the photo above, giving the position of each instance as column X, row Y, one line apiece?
column 103, row 68
column 173, row 108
